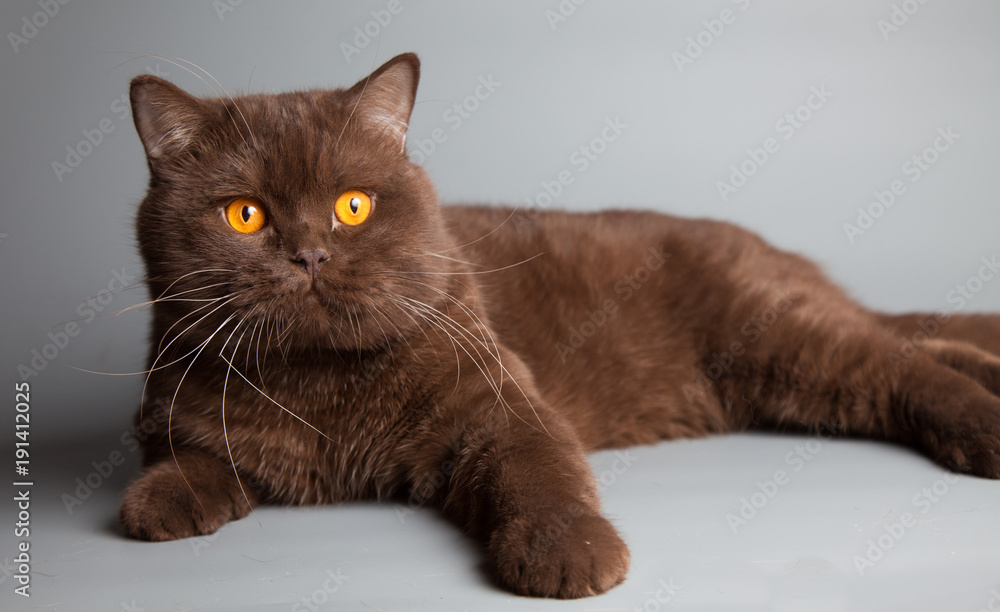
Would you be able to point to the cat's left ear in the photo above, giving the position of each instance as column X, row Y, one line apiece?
column 384, row 99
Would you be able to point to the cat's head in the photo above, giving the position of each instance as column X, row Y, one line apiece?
column 300, row 211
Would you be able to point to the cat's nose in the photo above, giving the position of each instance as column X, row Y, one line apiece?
column 311, row 261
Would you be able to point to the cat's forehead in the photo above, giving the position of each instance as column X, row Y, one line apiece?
column 295, row 147
column 303, row 116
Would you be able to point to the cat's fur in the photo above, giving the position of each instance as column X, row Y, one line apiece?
column 469, row 357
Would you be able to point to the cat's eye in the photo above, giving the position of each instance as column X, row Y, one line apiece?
column 245, row 215
column 353, row 207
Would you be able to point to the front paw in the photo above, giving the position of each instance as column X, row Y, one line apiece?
column 162, row 506
column 569, row 554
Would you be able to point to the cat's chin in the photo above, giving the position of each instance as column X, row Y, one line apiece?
column 318, row 325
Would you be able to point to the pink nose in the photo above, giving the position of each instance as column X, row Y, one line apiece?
column 311, row 261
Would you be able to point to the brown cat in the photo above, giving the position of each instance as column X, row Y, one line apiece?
column 324, row 331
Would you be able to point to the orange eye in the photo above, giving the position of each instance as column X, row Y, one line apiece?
column 245, row 215
column 353, row 207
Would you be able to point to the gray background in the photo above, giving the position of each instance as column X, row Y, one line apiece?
column 63, row 241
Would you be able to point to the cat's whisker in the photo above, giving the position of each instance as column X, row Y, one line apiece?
column 260, row 376
column 398, row 334
column 267, row 343
column 250, row 341
column 289, row 326
column 357, row 338
column 434, row 317
column 162, row 349
column 503, row 369
column 173, row 400
column 478, row 323
column 228, row 95
column 154, row 367
column 500, row 400
column 228, row 298
column 416, row 324
column 463, row 333
column 471, row 313
column 407, row 308
column 273, row 401
column 372, row 316
column 473, row 273
column 172, row 298
column 461, row 261
column 357, row 103
column 458, row 360
column 183, row 276
column 170, row 60
column 484, row 236
column 481, row 366
column 225, row 430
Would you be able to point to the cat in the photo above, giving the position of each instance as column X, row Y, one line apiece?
column 323, row 330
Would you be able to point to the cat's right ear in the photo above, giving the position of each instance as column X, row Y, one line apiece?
column 166, row 117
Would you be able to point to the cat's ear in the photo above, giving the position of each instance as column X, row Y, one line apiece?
column 385, row 98
column 166, row 117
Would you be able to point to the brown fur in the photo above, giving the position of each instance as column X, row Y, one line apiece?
column 469, row 357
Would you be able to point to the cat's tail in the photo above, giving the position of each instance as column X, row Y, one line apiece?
column 980, row 330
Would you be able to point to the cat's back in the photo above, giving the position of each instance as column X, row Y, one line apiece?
column 612, row 310
column 602, row 305
column 595, row 244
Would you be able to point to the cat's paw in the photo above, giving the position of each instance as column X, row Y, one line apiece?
column 973, row 453
column 566, row 555
column 162, row 506
column 969, row 442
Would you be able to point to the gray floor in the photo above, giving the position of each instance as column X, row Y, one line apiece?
column 672, row 502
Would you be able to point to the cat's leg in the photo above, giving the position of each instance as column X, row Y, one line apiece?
column 974, row 362
column 841, row 374
column 194, row 495
column 981, row 330
column 519, row 479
